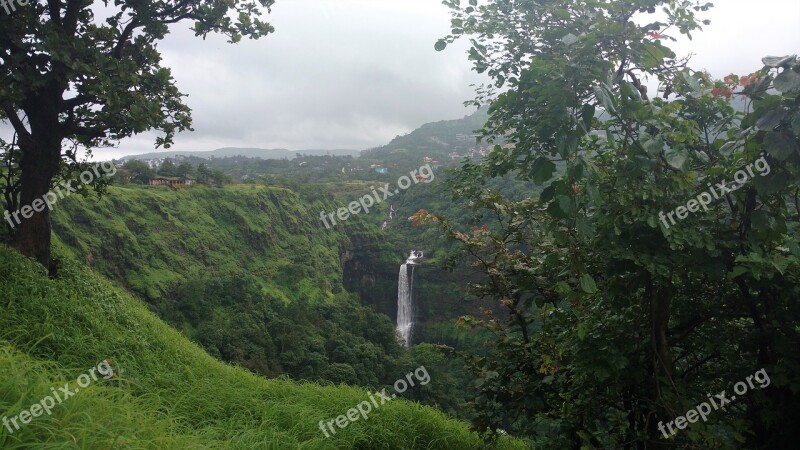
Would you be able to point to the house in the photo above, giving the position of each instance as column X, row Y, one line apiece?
column 171, row 181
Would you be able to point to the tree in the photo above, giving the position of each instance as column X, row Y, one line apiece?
column 138, row 171
column 75, row 76
column 620, row 320
column 184, row 170
column 203, row 173
column 9, row 176
column 168, row 169
column 219, row 178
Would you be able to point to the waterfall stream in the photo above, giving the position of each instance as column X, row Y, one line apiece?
column 405, row 285
column 404, row 314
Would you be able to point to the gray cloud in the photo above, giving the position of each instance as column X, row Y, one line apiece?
column 352, row 75
column 355, row 73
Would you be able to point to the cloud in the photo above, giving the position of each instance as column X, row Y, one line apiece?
column 344, row 74
column 356, row 73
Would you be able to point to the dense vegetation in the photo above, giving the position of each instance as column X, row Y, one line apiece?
column 560, row 301
column 619, row 318
column 166, row 392
column 245, row 271
column 250, row 273
column 77, row 77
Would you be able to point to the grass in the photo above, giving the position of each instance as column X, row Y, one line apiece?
column 170, row 393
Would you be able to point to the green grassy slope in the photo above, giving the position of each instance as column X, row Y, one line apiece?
column 170, row 393
column 153, row 239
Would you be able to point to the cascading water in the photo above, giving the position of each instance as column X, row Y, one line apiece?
column 404, row 305
column 405, row 284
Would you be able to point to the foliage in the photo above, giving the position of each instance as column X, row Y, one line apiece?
column 274, row 302
column 134, row 171
column 77, row 75
column 617, row 320
column 170, row 394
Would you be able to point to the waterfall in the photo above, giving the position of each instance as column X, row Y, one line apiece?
column 405, row 287
column 404, row 318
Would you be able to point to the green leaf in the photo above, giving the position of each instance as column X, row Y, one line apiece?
column 778, row 145
column 796, row 123
column 582, row 329
column 587, row 284
column 547, row 194
column 761, row 220
column 605, row 99
column 676, row 157
column 566, row 204
column 787, row 81
column 569, row 39
column 440, row 45
column 653, row 55
column 566, row 145
column 771, row 119
column 542, row 170
column 693, row 82
column 728, row 148
column 775, row 182
column 587, row 116
column 653, row 145
column 586, row 229
column 738, row 271
column 777, row 61
column 561, row 13
column 563, row 288
column 594, row 193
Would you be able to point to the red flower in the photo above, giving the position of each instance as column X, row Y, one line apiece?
column 654, row 34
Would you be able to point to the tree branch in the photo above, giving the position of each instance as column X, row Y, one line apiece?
column 74, row 102
column 54, row 8
column 16, row 122
column 123, row 38
column 70, row 22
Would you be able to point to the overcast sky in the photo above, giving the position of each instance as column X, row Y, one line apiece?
column 355, row 73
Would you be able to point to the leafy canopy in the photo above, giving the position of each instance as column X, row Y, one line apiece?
column 612, row 320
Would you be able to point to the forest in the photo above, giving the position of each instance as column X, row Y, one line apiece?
column 611, row 244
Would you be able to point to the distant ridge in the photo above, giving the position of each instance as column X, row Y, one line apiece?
column 435, row 138
column 263, row 153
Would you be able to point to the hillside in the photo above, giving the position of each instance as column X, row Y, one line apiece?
column 248, row 272
column 227, row 152
column 165, row 392
column 435, row 139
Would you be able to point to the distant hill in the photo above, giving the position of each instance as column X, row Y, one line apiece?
column 434, row 139
column 263, row 153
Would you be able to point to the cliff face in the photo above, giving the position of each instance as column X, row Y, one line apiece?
column 248, row 272
column 152, row 239
column 167, row 246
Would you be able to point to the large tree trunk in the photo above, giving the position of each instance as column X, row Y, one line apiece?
column 39, row 164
